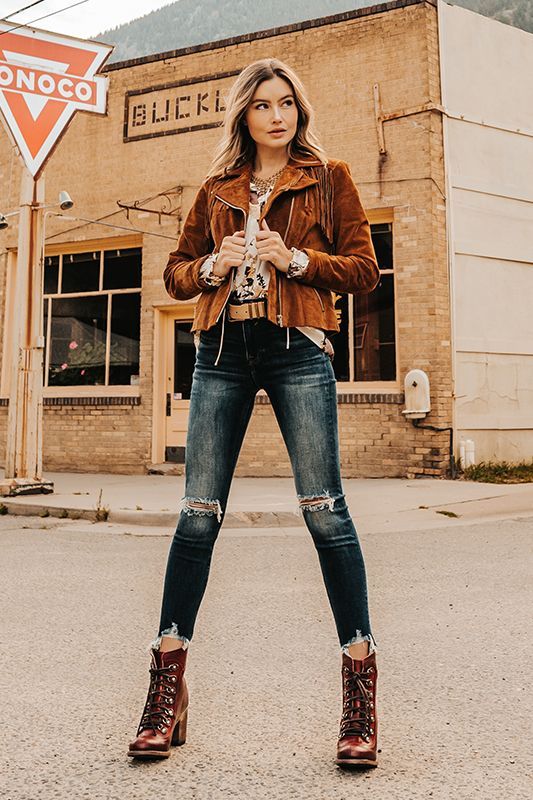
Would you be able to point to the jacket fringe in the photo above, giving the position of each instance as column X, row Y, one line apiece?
column 325, row 203
column 325, row 200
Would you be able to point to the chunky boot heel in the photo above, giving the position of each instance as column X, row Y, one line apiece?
column 180, row 731
column 164, row 719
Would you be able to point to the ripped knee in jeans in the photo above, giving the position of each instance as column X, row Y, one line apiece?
column 202, row 507
column 316, row 502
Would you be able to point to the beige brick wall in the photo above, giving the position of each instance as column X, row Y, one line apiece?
column 339, row 63
column 108, row 439
column 375, row 442
column 91, row 439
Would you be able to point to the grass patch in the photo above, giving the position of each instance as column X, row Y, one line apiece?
column 500, row 472
column 102, row 512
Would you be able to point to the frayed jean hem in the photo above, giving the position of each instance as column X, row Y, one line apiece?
column 171, row 632
column 359, row 637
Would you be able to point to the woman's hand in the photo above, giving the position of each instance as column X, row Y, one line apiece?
column 231, row 254
column 271, row 247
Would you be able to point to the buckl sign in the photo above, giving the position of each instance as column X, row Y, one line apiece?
column 44, row 79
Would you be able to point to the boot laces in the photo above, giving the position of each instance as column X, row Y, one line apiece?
column 358, row 708
column 157, row 714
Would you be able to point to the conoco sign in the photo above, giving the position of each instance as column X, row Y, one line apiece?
column 44, row 79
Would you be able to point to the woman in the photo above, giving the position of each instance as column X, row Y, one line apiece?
column 275, row 228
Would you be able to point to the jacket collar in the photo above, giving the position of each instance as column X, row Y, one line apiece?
column 234, row 186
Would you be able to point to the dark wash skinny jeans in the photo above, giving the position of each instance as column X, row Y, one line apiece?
column 300, row 383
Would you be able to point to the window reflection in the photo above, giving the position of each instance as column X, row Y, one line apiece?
column 341, row 361
column 77, row 355
column 81, row 273
column 125, row 337
column 373, row 333
column 365, row 347
column 122, row 268
column 93, row 338
column 51, row 274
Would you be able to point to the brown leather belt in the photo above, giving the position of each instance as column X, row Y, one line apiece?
column 242, row 311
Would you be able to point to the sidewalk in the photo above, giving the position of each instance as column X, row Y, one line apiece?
column 376, row 504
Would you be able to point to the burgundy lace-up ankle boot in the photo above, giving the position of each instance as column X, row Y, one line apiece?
column 357, row 744
column 164, row 719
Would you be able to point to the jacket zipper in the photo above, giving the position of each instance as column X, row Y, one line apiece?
column 318, row 295
column 238, row 208
column 273, row 197
column 280, row 316
column 269, row 204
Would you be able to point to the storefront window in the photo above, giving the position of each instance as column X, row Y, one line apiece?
column 78, row 341
column 365, row 347
column 92, row 308
column 125, row 336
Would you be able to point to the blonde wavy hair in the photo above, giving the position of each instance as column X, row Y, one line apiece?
column 236, row 145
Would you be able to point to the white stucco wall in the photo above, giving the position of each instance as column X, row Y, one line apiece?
column 487, row 94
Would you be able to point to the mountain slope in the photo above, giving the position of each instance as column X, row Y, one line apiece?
column 190, row 22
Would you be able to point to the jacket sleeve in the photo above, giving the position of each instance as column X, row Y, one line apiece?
column 182, row 273
column 354, row 268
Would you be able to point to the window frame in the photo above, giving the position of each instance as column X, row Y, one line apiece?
column 377, row 216
column 86, row 246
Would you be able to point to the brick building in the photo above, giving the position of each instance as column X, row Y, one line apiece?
column 393, row 96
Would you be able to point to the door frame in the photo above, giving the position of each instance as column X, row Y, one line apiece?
column 164, row 315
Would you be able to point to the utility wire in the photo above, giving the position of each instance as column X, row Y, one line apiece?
column 51, row 14
column 106, row 224
column 14, row 13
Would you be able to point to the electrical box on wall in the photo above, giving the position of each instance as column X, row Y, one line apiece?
column 416, row 389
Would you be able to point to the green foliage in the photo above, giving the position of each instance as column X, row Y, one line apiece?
column 189, row 22
column 500, row 472
column 3, row 509
column 518, row 13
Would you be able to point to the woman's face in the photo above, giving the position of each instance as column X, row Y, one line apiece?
column 273, row 108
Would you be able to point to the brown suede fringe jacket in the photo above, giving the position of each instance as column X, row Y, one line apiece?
column 315, row 208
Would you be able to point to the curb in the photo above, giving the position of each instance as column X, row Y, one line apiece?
column 233, row 519
column 161, row 519
column 41, row 510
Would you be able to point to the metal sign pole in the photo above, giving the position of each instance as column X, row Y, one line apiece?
column 23, row 473
column 69, row 67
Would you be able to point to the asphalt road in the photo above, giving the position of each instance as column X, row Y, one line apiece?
column 451, row 611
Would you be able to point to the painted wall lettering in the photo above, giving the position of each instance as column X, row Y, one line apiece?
column 179, row 107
